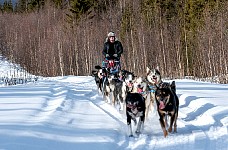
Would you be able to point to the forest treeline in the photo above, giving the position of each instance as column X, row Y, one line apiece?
column 65, row 37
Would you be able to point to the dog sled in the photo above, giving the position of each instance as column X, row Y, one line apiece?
column 112, row 66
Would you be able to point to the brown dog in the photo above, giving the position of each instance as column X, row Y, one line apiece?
column 167, row 104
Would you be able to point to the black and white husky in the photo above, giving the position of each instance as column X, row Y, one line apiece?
column 142, row 87
column 153, row 79
column 121, row 86
column 115, row 88
column 153, row 76
column 135, row 108
column 97, row 74
column 108, row 88
column 146, row 87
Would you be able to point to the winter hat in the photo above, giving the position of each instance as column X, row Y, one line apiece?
column 111, row 34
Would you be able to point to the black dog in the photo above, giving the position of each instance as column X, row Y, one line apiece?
column 167, row 104
column 135, row 107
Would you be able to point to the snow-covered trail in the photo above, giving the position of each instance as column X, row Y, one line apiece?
column 54, row 113
column 67, row 113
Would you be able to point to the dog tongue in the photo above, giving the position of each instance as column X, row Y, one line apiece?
column 140, row 90
column 162, row 105
column 129, row 84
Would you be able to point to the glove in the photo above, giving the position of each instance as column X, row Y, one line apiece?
column 115, row 55
column 107, row 55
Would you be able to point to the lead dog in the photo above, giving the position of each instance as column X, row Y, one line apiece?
column 135, row 108
column 167, row 104
column 152, row 79
column 141, row 87
column 153, row 76
column 146, row 86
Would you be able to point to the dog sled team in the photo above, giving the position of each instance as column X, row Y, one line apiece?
column 133, row 95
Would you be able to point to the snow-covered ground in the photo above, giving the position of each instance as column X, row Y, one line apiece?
column 11, row 74
column 67, row 113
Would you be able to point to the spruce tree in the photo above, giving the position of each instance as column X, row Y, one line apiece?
column 7, row 6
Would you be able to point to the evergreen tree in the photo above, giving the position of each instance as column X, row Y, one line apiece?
column 22, row 6
column 16, row 7
column 8, row 6
column 36, row 5
column 80, row 7
column 60, row 3
column 1, row 8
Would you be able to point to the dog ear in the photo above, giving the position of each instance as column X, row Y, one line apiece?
column 157, row 71
column 173, row 83
column 123, row 72
column 157, row 68
column 147, row 70
column 173, row 86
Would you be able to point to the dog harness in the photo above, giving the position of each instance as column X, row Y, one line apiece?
column 132, row 106
column 152, row 88
column 134, row 111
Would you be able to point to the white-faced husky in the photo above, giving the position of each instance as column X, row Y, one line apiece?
column 98, row 75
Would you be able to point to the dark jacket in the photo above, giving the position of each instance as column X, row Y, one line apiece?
column 113, row 48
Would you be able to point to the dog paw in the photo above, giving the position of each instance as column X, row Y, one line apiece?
column 137, row 133
column 131, row 135
column 170, row 130
column 121, row 111
column 165, row 133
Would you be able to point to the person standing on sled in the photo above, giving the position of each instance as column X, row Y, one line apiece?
column 112, row 49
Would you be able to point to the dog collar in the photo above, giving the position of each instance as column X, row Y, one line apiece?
column 152, row 91
column 152, row 88
column 131, row 106
column 143, row 93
